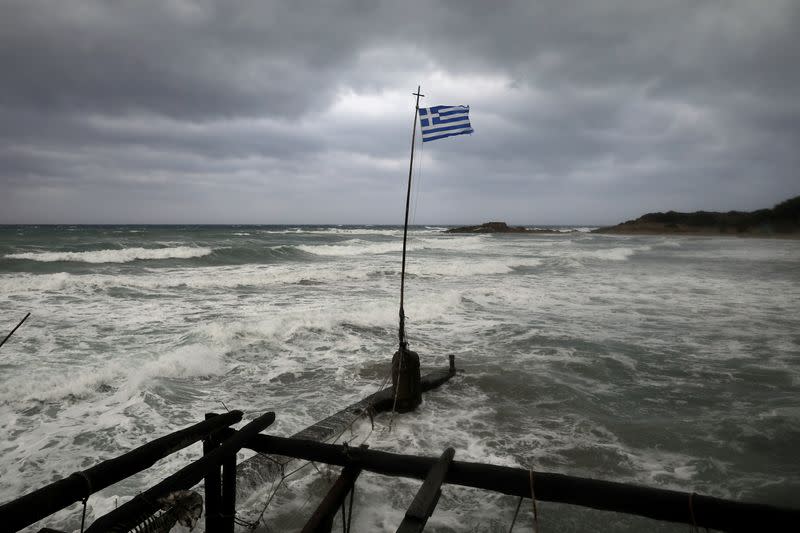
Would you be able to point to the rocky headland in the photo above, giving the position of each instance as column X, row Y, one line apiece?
column 783, row 220
column 499, row 227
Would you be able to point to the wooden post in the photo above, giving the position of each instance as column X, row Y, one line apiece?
column 131, row 511
column 228, row 494
column 45, row 501
column 212, row 483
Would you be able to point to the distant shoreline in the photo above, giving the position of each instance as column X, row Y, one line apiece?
column 654, row 232
column 781, row 222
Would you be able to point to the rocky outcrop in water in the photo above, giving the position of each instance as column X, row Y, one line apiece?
column 497, row 227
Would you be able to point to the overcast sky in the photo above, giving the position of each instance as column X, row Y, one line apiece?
column 593, row 112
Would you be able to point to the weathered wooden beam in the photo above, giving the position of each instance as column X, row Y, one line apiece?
column 322, row 518
column 427, row 496
column 658, row 504
column 131, row 512
column 45, row 501
column 258, row 469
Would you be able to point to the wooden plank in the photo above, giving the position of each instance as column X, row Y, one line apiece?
column 658, row 504
column 323, row 515
column 45, row 501
column 131, row 512
column 427, row 496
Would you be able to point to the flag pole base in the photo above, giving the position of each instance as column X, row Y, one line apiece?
column 406, row 386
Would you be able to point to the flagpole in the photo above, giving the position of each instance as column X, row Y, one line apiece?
column 406, row 384
column 402, row 329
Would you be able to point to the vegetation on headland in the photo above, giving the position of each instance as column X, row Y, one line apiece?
column 781, row 220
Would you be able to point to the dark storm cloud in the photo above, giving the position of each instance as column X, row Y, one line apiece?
column 170, row 111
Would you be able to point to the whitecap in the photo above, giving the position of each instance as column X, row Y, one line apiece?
column 124, row 255
column 188, row 361
column 352, row 247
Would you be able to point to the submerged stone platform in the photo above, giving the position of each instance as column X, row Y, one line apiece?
column 260, row 469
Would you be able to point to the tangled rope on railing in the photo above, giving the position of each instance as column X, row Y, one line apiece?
column 183, row 506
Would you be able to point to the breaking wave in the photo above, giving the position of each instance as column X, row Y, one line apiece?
column 182, row 362
column 352, row 247
column 124, row 255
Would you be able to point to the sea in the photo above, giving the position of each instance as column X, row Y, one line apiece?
column 664, row 361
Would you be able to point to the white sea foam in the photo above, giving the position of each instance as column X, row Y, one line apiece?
column 569, row 229
column 620, row 253
column 572, row 360
column 390, row 232
column 255, row 276
column 123, row 255
column 352, row 247
column 182, row 362
column 481, row 267
column 359, row 231
column 614, row 254
column 457, row 243
column 31, row 283
column 355, row 247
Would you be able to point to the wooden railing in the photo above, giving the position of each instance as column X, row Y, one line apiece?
column 217, row 467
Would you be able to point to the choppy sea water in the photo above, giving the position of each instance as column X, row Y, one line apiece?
column 665, row 361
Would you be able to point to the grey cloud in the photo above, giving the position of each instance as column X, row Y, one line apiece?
column 584, row 111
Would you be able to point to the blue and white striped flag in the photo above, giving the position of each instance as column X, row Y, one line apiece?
column 442, row 121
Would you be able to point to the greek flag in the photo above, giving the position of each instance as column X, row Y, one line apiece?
column 442, row 121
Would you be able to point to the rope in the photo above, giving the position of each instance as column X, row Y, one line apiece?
column 533, row 501
column 274, row 488
column 253, row 525
column 86, row 497
column 514, row 521
column 155, row 524
column 369, row 410
column 83, row 514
